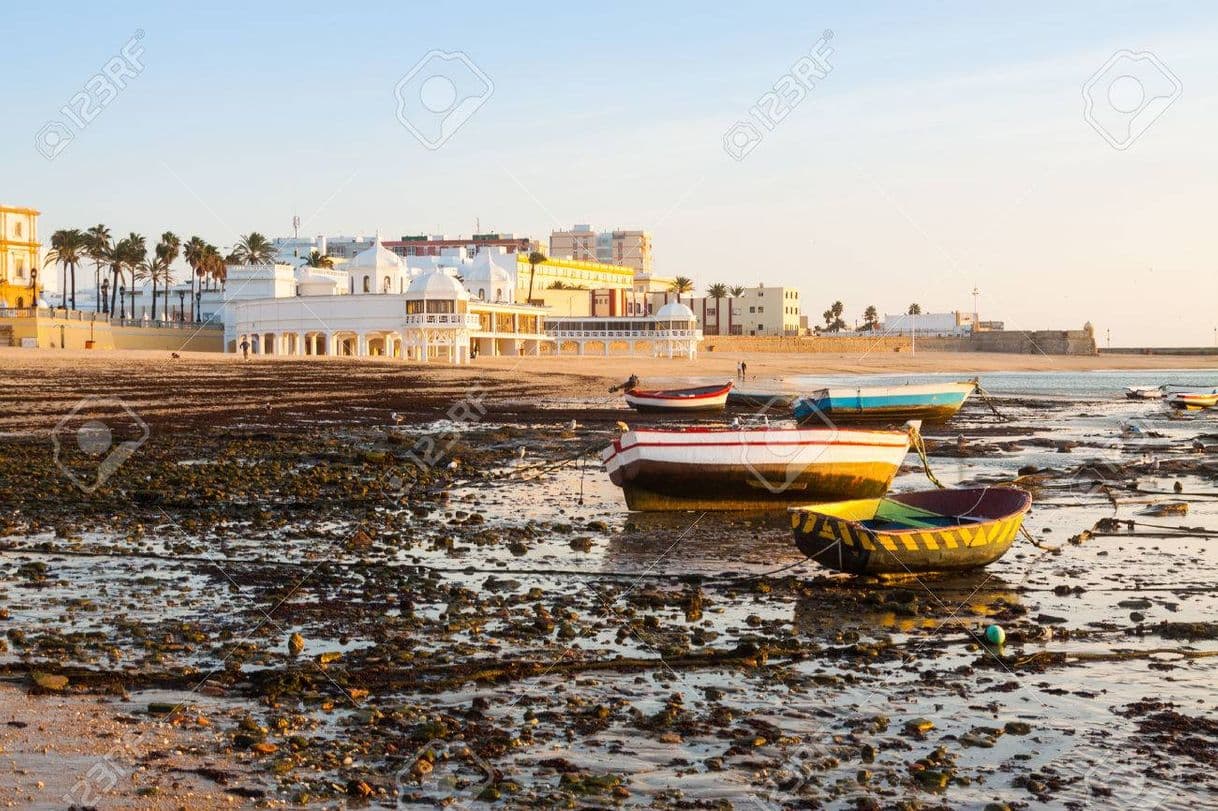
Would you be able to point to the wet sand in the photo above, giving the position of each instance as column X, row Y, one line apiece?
column 494, row 625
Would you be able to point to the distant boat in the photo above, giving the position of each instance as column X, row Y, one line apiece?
column 1145, row 392
column 702, row 398
column 931, row 402
column 752, row 468
column 1193, row 400
column 760, row 399
column 912, row 533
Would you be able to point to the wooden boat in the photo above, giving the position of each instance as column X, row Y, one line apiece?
column 1145, row 392
column 1193, row 400
column 933, row 402
column 702, row 398
column 760, row 399
column 912, row 533
column 752, row 468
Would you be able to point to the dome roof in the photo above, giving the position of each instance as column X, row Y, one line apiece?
column 675, row 310
column 487, row 273
column 378, row 257
column 436, row 284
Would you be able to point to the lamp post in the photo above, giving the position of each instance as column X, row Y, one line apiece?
column 34, row 289
column 181, row 304
column 105, row 296
column 122, row 301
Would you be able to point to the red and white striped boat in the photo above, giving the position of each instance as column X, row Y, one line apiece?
column 703, row 398
column 753, row 468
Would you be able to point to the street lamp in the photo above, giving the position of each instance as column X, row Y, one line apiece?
column 34, row 289
column 105, row 296
column 122, row 301
column 181, row 304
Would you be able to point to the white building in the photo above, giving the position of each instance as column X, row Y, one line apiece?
column 944, row 324
column 672, row 332
column 376, row 304
column 759, row 311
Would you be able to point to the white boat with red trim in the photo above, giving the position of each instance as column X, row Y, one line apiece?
column 701, row 398
column 753, row 468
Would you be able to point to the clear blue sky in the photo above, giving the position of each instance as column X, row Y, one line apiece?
column 945, row 148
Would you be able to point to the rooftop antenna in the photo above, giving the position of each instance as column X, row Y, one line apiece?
column 976, row 293
column 295, row 234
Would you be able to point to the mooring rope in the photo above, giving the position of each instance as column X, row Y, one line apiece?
column 988, row 399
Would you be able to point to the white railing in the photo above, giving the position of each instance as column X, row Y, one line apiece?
column 88, row 315
column 638, row 335
column 460, row 320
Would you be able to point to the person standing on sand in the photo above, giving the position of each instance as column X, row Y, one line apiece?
column 744, row 371
column 740, row 370
column 245, row 348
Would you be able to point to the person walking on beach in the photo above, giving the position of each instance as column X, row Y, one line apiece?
column 740, row 370
column 744, row 371
column 245, row 348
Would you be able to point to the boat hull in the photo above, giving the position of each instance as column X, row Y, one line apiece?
column 707, row 398
column 928, row 403
column 752, row 469
column 1192, row 402
column 760, row 399
column 830, row 535
column 1140, row 393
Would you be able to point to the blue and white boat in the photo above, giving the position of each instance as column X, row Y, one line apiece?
column 930, row 402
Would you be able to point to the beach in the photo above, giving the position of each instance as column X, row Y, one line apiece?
column 306, row 583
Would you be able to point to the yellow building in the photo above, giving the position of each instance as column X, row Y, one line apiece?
column 571, row 273
column 18, row 256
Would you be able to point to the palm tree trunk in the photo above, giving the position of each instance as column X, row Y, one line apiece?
column 532, row 268
column 153, row 296
column 73, row 285
column 97, row 286
column 113, row 288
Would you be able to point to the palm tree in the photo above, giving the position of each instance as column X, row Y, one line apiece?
column 717, row 291
column 535, row 259
column 736, row 290
column 319, row 260
column 219, row 265
column 133, row 249
column 871, row 317
column 681, row 284
column 98, row 241
column 195, row 254
column 67, row 248
column 559, row 284
column 914, row 309
column 167, row 251
column 833, row 317
column 254, row 249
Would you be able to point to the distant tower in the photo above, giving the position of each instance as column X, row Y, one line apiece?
column 976, row 294
column 295, row 235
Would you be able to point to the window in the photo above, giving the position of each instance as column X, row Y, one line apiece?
column 752, row 309
column 17, row 229
column 482, row 294
column 367, row 284
column 761, row 309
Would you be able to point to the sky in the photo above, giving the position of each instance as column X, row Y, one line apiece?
column 926, row 151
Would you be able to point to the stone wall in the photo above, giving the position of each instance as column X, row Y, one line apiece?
column 809, row 343
column 1017, row 342
column 76, row 330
